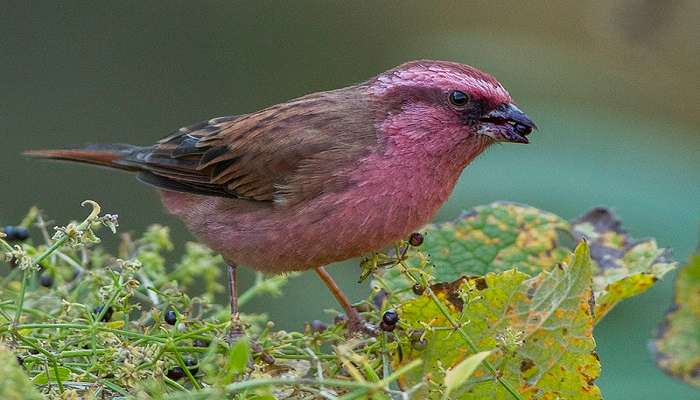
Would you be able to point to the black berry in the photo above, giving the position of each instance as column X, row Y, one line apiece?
column 416, row 239
column 318, row 326
column 46, row 280
column 9, row 232
column 390, row 317
column 16, row 233
column 21, row 233
column 418, row 289
column 175, row 373
column 386, row 327
column 107, row 315
column 170, row 317
column 200, row 343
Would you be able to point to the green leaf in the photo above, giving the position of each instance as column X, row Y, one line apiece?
column 238, row 356
column 457, row 376
column 542, row 326
column 501, row 236
column 677, row 344
column 51, row 375
column 496, row 237
column 14, row 384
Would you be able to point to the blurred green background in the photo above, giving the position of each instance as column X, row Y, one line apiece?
column 613, row 86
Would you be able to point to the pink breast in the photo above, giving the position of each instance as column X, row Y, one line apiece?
column 389, row 199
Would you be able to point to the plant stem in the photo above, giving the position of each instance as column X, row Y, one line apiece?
column 367, row 386
column 472, row 346
column 20, row 300
column 54, row 364
column 249, row 384
column 54, row 246
column 446, row 313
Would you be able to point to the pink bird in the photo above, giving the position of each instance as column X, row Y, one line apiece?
column 325, row 177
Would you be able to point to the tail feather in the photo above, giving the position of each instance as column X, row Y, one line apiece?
column 106, row 155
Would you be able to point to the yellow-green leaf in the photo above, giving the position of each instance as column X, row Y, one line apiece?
column 678, row 341
column 457, row 376
column 115, row 324
column 51, row 375
column 502, row 236
column 542, row 326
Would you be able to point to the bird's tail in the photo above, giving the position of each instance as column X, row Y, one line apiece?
column 105, row 155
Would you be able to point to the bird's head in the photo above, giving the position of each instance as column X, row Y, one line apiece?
column 444, row 105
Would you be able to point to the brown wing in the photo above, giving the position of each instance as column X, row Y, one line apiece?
column 284, row 153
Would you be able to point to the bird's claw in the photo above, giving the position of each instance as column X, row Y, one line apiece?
column 236, row 331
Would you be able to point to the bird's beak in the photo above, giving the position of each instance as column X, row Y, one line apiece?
column 506, row 123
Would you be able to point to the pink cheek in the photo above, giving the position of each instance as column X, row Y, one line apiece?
column 424, row 132
column 419, row 120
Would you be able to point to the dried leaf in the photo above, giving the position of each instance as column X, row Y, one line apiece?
column 624, row 267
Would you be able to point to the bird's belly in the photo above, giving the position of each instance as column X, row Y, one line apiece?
column 333, row 227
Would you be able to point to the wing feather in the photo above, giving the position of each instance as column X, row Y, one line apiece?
column 285, row 153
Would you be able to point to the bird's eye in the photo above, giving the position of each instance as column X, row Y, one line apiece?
column 458, row 99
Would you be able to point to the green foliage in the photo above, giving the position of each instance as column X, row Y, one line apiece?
column 493, row 238
column 51, row 375
column 501, row 236
column 492, row 305
column 540, row 329
column 14, row 384
column 458, row 375
column 678, row 342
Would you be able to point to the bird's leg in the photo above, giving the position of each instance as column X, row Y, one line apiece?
column 232, row 290
column 235, row 330
column 355, row 321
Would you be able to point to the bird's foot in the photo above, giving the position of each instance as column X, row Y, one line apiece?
column 237, row 331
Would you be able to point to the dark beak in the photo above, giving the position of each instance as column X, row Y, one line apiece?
column 506, row 123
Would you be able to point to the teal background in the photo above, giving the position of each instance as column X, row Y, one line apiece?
column 614, row 88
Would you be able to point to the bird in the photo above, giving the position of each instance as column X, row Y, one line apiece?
column 325, row 177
